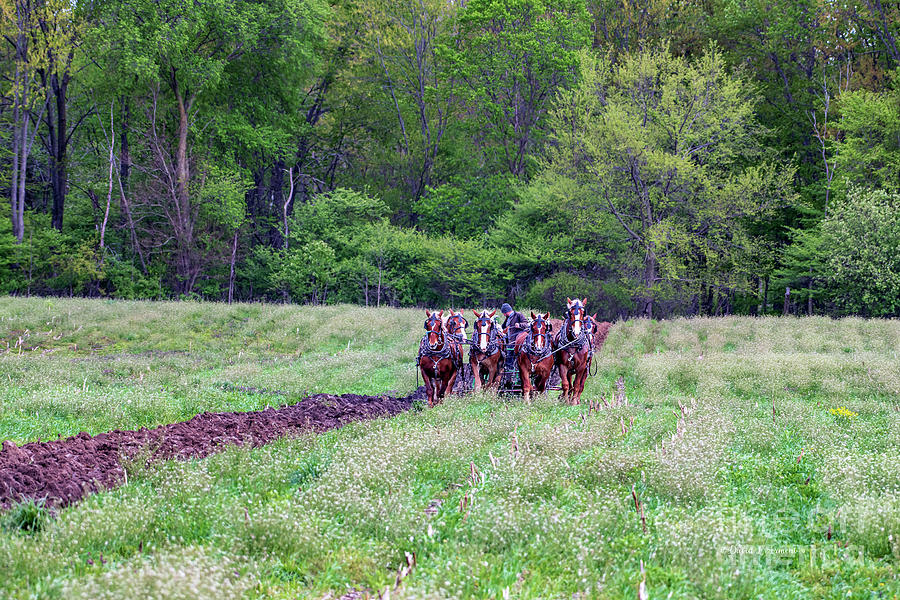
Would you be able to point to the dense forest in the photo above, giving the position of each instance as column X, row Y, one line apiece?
column 659, row 157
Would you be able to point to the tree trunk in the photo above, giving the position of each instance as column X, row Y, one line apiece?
column 649, row 280
column 759, row 305
column 112, row 170
column 378, row 289
column 14, row 181
column 124, row 155
column 787, row 302
column 23, row 170
column 184, row 227
column 231, row 275
column 276, row 198
column 809, row 301
column 58, row 168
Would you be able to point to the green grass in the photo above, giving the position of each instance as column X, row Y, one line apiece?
column 730, row 512
column 124, row 365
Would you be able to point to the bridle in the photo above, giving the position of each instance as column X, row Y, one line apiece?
column 440, row 349
column 492, row 346
column 429, row 328
column 571, row 320
column 577, row 344
column 545, row 349
column 567, row 336
column 457, row 327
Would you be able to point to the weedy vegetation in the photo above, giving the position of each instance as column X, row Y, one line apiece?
column 712, row 458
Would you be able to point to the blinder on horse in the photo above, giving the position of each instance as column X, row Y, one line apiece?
column 493, row 342
column 534, row 330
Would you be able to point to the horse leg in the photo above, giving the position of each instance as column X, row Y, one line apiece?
column 564, row 380
column 440, row 387
column 429, row 387
column 476, row 373
column 525, row 376
column 448, row 387
column 571, row 375
column 580, row 379
column 542, row 376
column 493, row 367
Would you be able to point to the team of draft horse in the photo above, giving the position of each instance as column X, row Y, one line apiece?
column 536, row 350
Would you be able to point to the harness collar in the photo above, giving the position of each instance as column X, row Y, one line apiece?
column 493, row 345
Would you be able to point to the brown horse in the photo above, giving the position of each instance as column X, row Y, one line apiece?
column 574, row 350
column 534, row 355
column 486, row 350
column 456, row 326
column 439, row 358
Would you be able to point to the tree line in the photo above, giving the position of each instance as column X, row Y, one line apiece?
column 659, row 157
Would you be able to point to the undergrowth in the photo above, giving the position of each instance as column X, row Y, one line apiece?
column 724, row 472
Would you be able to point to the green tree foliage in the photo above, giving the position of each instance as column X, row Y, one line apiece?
column 623, row 26
column 343, row 248
column 670, row 148
column 511, row 56
column 868, row 152
column 465, row 208
column 187, row 68
column 398, row 50
column 426, row 152
column 861, row 251
column 803, row 267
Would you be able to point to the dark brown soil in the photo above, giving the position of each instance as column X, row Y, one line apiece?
column 64, row 471
column 600, row 334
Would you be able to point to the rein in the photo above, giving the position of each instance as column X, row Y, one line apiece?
column 531, row 353
column 436, row 356
column 493, row 345
column 580, row 340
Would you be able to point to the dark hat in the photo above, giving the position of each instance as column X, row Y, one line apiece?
column 505, row 308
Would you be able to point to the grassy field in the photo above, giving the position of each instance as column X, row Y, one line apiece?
column 751, row 481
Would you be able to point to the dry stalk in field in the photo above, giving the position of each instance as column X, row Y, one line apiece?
column 642, row 586
column 514, row 443
column 475, row 476
column 620, row 398
column 639, row 508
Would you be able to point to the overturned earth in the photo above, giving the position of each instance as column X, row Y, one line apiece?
column 61, row 472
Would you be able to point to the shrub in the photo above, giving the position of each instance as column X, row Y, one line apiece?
column 862, row 241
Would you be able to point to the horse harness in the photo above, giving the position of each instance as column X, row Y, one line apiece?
column 531, row 353
column 493, row 345
column 585, row 338
column 436, row 356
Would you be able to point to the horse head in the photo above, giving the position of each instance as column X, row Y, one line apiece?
column 456, row 324
column 590, row 324
column 575, row 314
column 540, row 329
column 484, row 328
column 434, row 325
